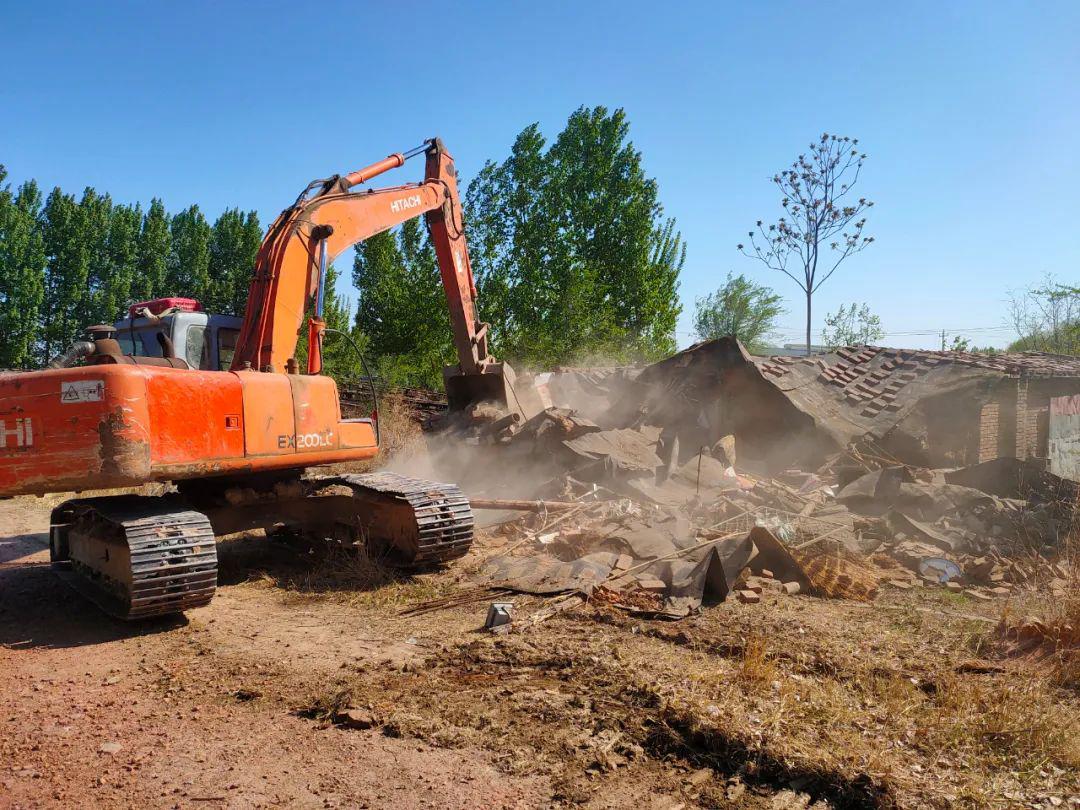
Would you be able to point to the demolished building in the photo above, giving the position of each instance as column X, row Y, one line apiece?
column 927, row 408
column 712, row 473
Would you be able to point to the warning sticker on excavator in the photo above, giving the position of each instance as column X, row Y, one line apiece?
column 72, row 393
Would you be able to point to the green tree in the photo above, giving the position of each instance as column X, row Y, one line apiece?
column 234, row 242
column 122, row 249
column 959, row 344
column 153, row 250
column 822, row 224
column 740, row 308
column 92, row 233
column 613, row 250
column 963, row 344
column 851, row 326
column 402, row 308
column 66, row 274
column 510, row 241
column 188, row 268
column 22, row 273
column 572, row 253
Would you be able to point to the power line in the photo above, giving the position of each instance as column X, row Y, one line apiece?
column 801, row 331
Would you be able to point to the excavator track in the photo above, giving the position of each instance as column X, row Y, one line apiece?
column 135, row 556
column 416, row 523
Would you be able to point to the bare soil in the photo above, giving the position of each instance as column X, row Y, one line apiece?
column 791, row 703
column 98, row 713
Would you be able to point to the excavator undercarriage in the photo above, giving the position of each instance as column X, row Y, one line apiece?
column 139, row 556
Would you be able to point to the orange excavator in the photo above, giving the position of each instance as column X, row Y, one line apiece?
column 236, row 442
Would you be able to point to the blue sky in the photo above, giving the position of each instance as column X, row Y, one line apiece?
column 970, row 113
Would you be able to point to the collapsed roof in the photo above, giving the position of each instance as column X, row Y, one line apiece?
column 829, row 401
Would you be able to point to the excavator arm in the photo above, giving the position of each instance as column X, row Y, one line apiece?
column 327, row 218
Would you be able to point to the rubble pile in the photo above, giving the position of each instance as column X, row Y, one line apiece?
column 635, row 496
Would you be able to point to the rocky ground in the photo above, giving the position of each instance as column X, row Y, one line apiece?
column 303, row 685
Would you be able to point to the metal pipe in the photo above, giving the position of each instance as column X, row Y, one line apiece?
column 77, row 350
column 320, row 298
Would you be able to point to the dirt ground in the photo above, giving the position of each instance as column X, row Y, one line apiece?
column 792, row 703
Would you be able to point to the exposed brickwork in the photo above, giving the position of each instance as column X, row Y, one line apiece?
column 1023, row 448
column 989, row 431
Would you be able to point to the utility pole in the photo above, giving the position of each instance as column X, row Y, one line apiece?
column 943, row 340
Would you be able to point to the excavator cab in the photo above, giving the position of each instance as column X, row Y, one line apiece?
column 204, row 341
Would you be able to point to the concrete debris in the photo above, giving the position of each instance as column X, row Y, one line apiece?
column 499, row 614
column 713, row 473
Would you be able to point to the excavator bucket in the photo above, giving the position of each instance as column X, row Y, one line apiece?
column 497, row 384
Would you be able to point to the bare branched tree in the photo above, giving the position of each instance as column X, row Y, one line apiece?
column 820, row 215
column 1046, row 318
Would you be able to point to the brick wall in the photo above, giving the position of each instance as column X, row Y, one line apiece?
column 1022, row 438
column 1034, row 418
column 990, row 431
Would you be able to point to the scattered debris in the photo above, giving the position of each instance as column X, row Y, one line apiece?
column 678, row 484
column 499, row 614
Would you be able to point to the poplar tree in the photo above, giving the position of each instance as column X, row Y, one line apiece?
column 572, row 244
column 152, row 253
column 22, row 273
column 66, row 273
column 123, row 255
column 402, row 309
column 92, row 232
column 234, row 242
column 188, row 267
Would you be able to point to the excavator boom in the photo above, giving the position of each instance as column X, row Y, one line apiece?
column 331, row 216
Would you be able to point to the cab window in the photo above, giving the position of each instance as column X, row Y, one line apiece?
column 196, row 350
column 127, row 343
column 226, row 347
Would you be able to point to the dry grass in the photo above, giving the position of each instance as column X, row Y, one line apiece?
column 755, row 669
column 1066, row 619
column 856, row 707
column 1015, row 723
column 1057, row 640
column 303, row 572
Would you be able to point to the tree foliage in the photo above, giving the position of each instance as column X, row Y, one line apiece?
column 188, row 267
column 66, row 275
column 68, row 263
column 402, row 309
column 234, row 243
column 851, row 326
column 22, row 272
column 571, row 249
column 740, row 308
column 822, row 224
column 154, row 247
column 118, row 274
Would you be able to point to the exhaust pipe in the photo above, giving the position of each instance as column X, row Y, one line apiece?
column 78, row 350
